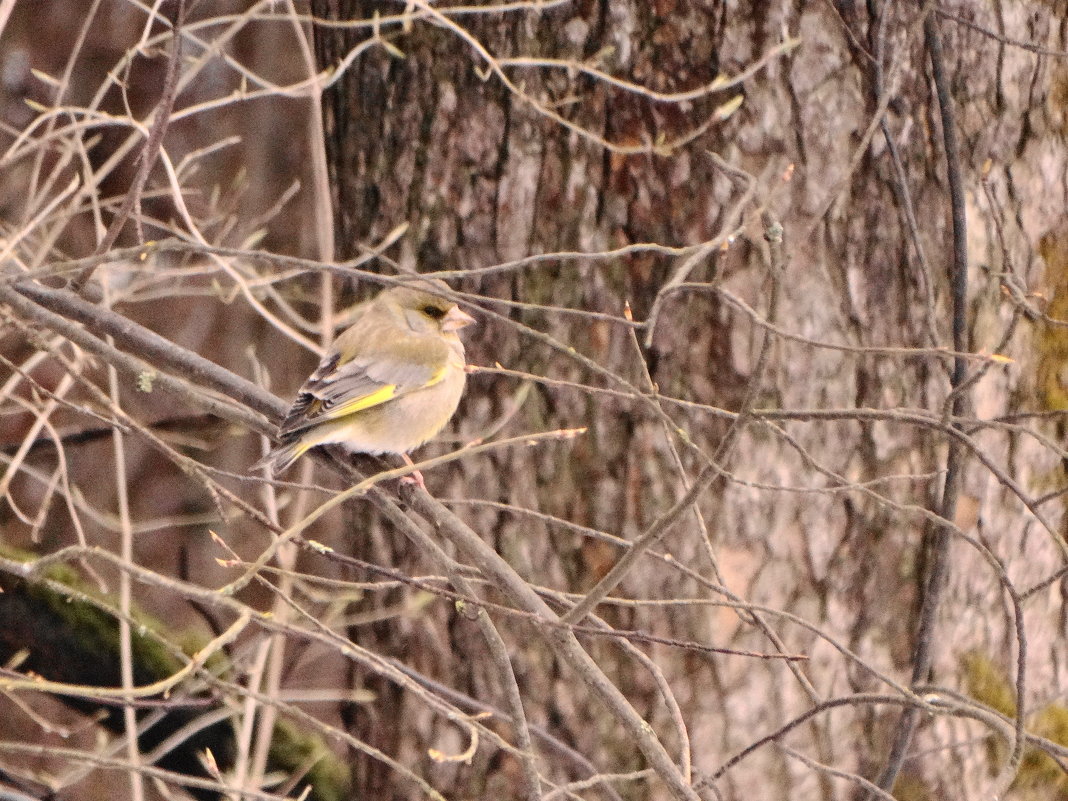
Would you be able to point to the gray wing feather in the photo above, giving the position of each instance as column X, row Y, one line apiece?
column 330, row 386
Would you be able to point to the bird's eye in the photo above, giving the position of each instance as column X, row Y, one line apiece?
column 433, row 312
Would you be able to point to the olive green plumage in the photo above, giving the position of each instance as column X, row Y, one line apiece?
column 387, row 384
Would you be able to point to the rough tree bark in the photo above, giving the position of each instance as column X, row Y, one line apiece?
column 424, row 137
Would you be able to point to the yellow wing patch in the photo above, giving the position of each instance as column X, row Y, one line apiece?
column 380, row 395
column 438, row 375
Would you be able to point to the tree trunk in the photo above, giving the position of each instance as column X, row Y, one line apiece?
column 418, row 134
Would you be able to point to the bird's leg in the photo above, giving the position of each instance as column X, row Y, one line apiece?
column 416, row 477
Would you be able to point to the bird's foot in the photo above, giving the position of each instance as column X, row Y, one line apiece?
column 416, row 477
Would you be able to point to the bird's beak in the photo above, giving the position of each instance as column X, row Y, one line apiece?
column 455, row 319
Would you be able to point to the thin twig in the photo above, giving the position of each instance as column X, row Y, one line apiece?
column 151, row 150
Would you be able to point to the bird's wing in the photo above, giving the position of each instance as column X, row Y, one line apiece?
column 367, row 380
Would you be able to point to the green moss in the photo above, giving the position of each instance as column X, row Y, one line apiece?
column 910, row 787
column 71, row 634
column 1052, row 342
column 1039, row 776
column 293, row 751
column 987, row 683
column 1038, row 771
column 88, row 613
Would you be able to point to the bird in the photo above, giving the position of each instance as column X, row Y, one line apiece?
column 387, row 384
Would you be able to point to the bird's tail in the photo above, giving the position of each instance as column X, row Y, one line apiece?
column 279, row 459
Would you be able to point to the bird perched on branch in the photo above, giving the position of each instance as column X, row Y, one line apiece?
column 387, row 384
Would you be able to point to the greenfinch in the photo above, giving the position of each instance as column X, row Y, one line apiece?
column 387, row 384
